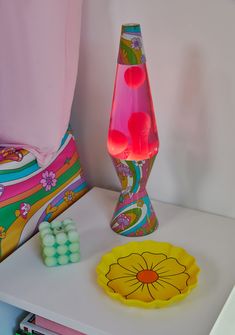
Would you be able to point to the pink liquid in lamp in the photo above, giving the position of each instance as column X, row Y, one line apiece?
column 132, row 131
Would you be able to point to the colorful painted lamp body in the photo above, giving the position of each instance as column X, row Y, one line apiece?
column 132, row 139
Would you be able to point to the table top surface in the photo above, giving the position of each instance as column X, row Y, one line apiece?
column 225, row 324
column 70, row 295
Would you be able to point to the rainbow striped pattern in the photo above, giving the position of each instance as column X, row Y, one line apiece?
column 30, row 194
column 134, row 214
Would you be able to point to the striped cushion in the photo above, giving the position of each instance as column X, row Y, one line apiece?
column 30, row 194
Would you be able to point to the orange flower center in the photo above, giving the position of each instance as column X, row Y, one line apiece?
column 147, row 276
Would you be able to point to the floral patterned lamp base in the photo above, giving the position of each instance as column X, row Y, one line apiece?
column 134, row 214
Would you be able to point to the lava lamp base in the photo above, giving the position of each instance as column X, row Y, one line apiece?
column 134, row 214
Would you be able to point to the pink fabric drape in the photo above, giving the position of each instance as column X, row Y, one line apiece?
column 39, row 46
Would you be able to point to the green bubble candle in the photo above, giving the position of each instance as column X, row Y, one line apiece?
column 60, row 242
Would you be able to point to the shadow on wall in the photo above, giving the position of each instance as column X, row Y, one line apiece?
column 96, row 72
column 189, row 132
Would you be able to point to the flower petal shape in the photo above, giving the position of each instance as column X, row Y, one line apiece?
column 43, row 182
column 134, row 262
column 117, row 271
column 147, row 274
column 53, row 182
column 163, row 290
column 45, row 174
column 124, row 285
column 142, row 293
column 180, row 280
column 52, row 174
column 169, row 266
column 48, row 187
column 152, row 260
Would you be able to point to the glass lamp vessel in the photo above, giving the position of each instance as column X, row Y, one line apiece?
column 132, row 138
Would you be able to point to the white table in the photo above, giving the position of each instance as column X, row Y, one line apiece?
column 69, row 294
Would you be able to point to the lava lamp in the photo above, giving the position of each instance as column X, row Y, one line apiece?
column 132, row 138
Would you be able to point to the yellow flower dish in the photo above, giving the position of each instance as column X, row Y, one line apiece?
column 147, row 274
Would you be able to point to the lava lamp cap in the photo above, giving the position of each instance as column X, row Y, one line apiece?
column 131, row 50
column 131, row 28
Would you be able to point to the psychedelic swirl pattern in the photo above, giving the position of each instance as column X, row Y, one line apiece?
column 134, row 214
column 131, row 50
column 30, row 194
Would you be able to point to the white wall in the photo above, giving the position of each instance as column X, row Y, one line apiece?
column 191, row 61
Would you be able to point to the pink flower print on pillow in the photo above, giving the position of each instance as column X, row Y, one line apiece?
column 23, row 211
column 48, row 180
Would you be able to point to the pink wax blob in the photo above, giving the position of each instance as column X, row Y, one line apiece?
column 132, row 130
column 134, row 76
column 117, row 142
column 139, row 126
